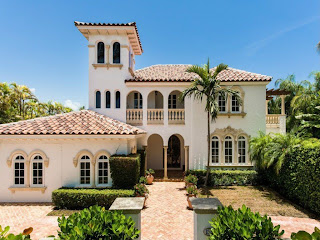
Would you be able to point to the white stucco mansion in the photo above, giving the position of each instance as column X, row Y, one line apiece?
column 128, row 110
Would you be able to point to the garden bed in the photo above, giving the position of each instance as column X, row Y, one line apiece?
column 79, row 198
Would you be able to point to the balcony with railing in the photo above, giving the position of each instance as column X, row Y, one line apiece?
column 134, row 108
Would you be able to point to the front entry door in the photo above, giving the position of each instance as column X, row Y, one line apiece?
column 174, row 150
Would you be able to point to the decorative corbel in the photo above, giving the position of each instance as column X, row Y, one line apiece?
column 75, row 162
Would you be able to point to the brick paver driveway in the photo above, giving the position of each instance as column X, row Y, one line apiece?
column 166, row 216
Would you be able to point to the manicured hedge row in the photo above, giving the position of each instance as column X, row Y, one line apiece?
column 73, row 198
column 142, row 162
column 299, row 177
column 125, row 170
column 226, row 177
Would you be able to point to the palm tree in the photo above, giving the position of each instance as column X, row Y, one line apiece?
column 310, row 122
column 318, row 47
column 206, row 86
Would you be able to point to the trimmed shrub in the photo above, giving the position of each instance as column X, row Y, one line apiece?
column 125, row 170
column 73, row 198
column 299, row 176
column 226, row 177
column 97, row 223
column 242, row 224
column 142, row 162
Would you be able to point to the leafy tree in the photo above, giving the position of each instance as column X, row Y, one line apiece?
column 269, row 151
column 17, row 102
column 206, row 87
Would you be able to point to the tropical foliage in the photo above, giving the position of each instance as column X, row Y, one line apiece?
column 5, row 235
column 97, row 223
column 242, row 224
column 302, row 101
column 18, row 102
column 207, row 87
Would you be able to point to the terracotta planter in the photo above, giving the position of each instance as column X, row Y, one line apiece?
column 189, row 202
column 189, row 185
column 150, row 179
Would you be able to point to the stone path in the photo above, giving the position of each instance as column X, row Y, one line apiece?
column 166, row 216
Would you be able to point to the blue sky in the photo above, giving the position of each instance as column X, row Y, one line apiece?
column 41, row 48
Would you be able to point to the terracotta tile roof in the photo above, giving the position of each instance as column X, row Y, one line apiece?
column 177, row 73
column 85, row 122
column 77, row 23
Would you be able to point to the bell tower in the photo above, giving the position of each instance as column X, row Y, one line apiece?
column 112, row 50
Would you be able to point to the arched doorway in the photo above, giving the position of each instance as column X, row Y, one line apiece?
column 175, row 152
column 155, row 152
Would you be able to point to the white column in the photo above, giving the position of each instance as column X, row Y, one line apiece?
column 145, row 109
column 186, row 157
column 267, row 112
column 282, row 105
column 165, row 109
column 165, row 173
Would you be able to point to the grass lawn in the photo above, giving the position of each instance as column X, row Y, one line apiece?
column 258, row 198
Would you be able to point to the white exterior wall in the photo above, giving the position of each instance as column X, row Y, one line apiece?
column 60, row 172
column 112, row 79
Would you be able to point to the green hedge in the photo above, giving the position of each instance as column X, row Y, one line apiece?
column 125, row 170
column 226, row 177
column 73, row 198
column 142, row 162
column 299, row 176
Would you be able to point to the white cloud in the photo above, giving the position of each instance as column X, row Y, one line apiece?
column 73, row 105
column 33, row 90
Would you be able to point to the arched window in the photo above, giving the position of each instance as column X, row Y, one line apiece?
column 100, row 52
column 85, row 170
column 215, row 150
column 19, row 170
column 108, row 99
column 242, row 149
column 117, row 99
column 37, row 170
column 98, row 99
column 137, row 100
column 103, row 169
column 235, row 105
column 116, row 52
column 228, row 149
column 222, row 101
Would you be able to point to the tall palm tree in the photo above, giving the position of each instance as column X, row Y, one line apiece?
column 206, row 87
column 318, row 47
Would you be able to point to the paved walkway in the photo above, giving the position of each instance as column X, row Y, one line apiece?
column 166, row 216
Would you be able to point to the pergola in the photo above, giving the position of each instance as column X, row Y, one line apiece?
column 276, row 92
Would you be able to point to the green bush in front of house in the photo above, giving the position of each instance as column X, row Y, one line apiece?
column 226, row 177
column 242, row 224
column 125, row 170
column 97, row 223
column 79, row 198
column 298, row 178
column 142, row 162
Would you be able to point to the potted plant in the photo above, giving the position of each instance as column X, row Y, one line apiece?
column 143, row 180
column 191, row 192
column 149, row 176
column 191, row 180
column 141, row 190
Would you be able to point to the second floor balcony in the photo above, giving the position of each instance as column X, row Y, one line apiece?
column 155, row 113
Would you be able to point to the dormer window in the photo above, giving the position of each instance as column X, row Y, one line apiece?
column 116, row 52
column 100, row 52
